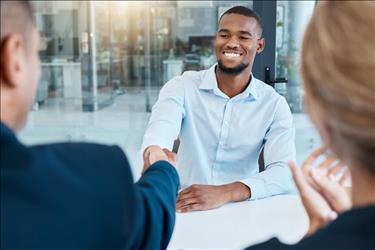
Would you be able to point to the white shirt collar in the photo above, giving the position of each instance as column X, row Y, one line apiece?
column 209, row 82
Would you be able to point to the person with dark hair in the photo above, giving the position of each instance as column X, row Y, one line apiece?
column 241, row 10
column 339, row 80
column 70, row 195
column 224, row 117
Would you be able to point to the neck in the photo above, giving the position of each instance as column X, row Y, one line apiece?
column 231, row 84
column 363, row 187
column 8, row 114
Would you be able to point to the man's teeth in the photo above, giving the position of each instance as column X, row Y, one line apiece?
column 231, row 54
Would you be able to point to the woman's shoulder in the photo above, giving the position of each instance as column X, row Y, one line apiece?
column 352, row 230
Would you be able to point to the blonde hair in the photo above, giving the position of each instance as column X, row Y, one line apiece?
column 338, row 70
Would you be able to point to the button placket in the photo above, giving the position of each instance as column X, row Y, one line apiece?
column 224, row 132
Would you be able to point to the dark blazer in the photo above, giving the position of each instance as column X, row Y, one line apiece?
column 82, row 196
column 353, row 230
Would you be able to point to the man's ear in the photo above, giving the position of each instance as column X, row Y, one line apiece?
column 12, row 59
column 260, row 45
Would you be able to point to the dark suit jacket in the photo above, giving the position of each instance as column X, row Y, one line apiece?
column 82, row 196
column 353, row 230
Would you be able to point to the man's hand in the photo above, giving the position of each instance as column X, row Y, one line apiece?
column 153, row 154
column 321, row 189
column 205, row 197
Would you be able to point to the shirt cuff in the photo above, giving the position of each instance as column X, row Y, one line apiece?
column 162, row 144
column 257, row 187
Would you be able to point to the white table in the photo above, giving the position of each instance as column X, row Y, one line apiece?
column 237, row 225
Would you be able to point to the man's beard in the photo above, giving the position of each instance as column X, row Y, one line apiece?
column 233, row 71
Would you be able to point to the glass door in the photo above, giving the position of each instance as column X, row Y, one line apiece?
column 96, row 75
column 291, row 20
column 60, row 82
column 102, row 31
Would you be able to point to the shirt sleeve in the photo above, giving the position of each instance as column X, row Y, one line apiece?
column 167, row 115
column 279, row 148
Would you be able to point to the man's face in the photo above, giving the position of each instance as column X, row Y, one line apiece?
column 33, row 63
column 30, row 75
column 237, row 42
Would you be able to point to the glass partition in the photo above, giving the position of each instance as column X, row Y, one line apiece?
column 291, row 20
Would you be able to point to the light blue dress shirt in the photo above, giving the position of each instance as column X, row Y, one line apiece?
column 221, row 137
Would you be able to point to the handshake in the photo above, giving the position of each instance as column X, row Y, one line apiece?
column 154, row 153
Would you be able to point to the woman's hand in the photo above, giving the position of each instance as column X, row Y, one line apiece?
column 322, row 189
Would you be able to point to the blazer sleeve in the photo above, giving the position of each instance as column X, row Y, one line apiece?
column 154, row 207
column 156, row 193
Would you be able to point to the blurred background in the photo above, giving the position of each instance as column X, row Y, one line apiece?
column 104, row 62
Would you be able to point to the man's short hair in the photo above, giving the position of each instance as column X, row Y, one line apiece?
column 241, row 10
column 16, row 17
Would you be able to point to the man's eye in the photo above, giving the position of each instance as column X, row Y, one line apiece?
column 244, row 37
column 224, row 35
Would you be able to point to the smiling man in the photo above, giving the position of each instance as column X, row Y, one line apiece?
column 224, row 117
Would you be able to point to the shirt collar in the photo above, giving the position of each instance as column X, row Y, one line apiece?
column 209, row 79
column 251, row 89
column 209, row 82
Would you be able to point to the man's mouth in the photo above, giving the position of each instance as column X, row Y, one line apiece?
column 232, row 54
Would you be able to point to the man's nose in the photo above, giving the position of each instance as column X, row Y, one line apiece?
column 233, row 42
